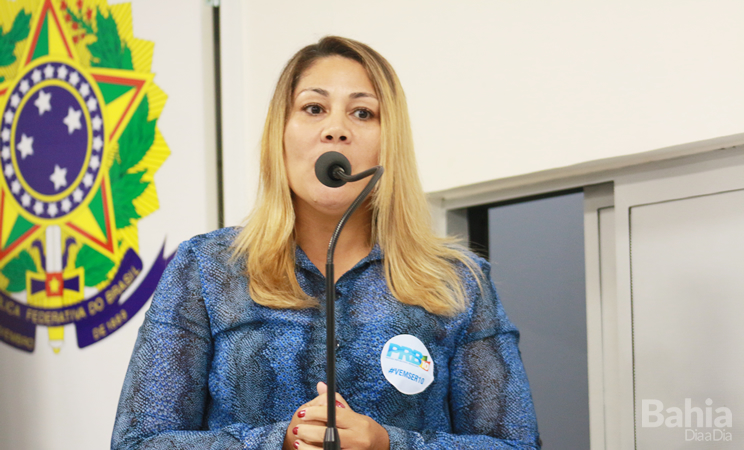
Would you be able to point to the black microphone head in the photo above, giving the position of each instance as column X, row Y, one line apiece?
column 327, row 163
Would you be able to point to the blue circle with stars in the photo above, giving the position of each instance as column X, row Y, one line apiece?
column 52, row 142
column 59, row 149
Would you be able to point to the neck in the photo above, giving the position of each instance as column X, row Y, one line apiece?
column 313, row 232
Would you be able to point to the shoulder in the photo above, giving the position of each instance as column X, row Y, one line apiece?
column 199, row 265
column 214, row 241
column 212, row 246
column 474, row 272
column 197, row 257
column 485, row 315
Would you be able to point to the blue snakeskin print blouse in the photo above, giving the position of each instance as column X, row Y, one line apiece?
column 211, row 369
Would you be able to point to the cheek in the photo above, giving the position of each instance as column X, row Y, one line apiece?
column 374, row 150
column 292, row 143
column 299, row 175
column 294, row 153
column 299, row 143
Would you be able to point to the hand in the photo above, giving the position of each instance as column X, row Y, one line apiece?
column 356, row 431
column 289, row 437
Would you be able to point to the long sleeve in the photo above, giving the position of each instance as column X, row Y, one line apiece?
column 490, row 401
column 165, row 395
column 211, row 368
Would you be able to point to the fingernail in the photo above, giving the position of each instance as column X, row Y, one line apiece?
column 339, row 404
column 295, row 430
column 297, row 444
column 301, row 413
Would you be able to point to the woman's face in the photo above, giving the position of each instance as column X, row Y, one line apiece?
column 334, row 108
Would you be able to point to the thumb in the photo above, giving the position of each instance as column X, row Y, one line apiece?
column 323, row 389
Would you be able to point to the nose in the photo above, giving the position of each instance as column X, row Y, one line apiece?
column 336, row 130
column 331, row 137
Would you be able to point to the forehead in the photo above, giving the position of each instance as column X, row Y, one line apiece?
column 335, row 72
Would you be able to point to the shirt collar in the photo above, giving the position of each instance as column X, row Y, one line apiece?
column 303, row 262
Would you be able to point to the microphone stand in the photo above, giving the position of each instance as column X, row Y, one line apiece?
column 331, row 440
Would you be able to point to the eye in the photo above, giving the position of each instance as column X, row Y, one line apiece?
column 363, row 114
column 313, row 109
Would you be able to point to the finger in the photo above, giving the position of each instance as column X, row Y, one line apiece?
column 306, row 405
column 346, row 418
column 341, row 403
column 314, row 413
column 309, row 422
column 299, row 445
column 319, row 400
column 314, row 402
column 310, row 434
column 320, row 412
column 323, row 393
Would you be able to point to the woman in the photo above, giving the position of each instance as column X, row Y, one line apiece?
column 232, row 351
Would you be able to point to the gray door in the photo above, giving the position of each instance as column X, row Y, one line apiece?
column 536, row 249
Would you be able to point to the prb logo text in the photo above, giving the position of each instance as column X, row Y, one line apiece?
column 409, row 355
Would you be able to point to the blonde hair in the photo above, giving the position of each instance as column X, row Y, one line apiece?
column 418, row 265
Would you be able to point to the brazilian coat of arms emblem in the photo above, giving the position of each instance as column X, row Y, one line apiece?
column 79, row 148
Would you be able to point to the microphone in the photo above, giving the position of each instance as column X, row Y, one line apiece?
column 334, row 170
column 328, row 164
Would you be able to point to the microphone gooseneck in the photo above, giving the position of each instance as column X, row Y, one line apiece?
column 334, row 170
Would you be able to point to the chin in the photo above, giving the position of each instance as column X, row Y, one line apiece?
column 334, row 201
column 326, row 200
column 331, row 208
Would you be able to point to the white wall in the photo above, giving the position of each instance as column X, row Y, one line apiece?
column 68, row 400
column 516, row 86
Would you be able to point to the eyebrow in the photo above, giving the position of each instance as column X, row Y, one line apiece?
column 362, row 95
column 325, row 93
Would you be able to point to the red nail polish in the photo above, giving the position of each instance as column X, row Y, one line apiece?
column 301, row 413
column 297, row 444
column 339, row 404
column 295, row 430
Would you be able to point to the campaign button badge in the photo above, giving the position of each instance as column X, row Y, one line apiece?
column 407, row 364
